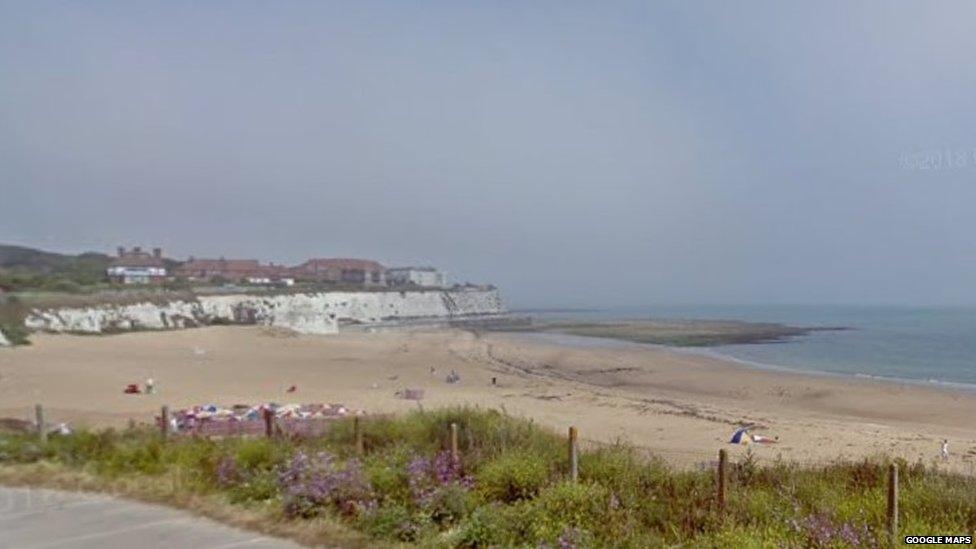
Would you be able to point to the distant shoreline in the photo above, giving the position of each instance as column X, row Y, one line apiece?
column 576, row 341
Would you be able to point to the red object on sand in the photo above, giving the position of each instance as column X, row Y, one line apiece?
column 292, row 389
column 132, row 389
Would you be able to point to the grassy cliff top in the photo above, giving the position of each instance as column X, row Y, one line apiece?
column 24, row 268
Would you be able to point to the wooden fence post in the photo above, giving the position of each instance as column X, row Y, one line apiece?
column 357, row 433
column 269, row 423
column 455, row 455
column 39, row 419
column 893, row 503
column 164, row 421
column 723, row 460
column 573, row 454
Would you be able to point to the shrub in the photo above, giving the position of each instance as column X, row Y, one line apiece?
column 228, row 472
column 427, row 476
column 20, row 449
column 631, row 476
column 822, row 530
column 487, row 526
column 513, row 476
column 312, row 483
column 391, row 522
column 390, row 482
column 133, row 456
column 749, row 538
column 449, row 504
column 83, row 447
column 16, row 334
column 584, row 506
column 261, row 486
column 196, row 460
column 259, row 454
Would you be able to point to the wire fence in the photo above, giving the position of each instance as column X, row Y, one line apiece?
column 681, row 458
column 271, row 426
column 304, row 427
column 768, row 454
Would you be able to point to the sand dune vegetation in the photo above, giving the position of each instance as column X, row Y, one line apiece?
column 508, row 486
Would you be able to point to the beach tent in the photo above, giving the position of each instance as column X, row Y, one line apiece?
column 741, row 435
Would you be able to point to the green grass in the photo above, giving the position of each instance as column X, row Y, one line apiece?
column 29, row 269
column 12, row 313
column 510, row 487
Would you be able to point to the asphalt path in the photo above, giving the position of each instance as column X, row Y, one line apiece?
column 32, row 518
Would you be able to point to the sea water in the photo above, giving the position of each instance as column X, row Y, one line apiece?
column 925, row 345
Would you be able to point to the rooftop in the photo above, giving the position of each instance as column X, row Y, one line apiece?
column 342, row 263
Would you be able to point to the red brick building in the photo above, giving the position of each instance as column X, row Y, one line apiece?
column 230, row 269
column 363, row 272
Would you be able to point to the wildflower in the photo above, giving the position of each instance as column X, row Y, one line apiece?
column 228, row 473
column 821, row 530
column 310, row 483
column 427, row 477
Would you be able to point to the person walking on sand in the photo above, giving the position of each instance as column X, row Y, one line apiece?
column 944, row 450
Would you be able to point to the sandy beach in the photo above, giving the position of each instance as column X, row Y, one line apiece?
column 681, row 406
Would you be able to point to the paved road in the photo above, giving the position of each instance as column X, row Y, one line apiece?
column 32, row 518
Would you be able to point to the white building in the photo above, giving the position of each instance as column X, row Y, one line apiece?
column 424, row 277
column 137, row 267
column 268, row 281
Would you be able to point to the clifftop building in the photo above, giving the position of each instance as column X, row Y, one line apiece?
column 363, row 272
column 424, row 277
column 137, row 267
column 231, row 269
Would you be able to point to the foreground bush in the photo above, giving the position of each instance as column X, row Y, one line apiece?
column 509, row 487
column 513, row 476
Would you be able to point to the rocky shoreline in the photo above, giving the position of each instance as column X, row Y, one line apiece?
column 676, row 333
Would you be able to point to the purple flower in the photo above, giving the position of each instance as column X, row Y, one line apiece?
column 310, row 483
column 822, row 530
column 426, row 477
column 228, row 473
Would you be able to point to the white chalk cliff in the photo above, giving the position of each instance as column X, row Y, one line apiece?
column 313, row 313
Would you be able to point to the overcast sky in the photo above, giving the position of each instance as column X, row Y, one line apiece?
column 575, row 154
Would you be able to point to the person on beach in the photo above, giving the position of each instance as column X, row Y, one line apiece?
column 944, row 450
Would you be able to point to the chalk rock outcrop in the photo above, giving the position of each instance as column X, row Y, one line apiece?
column 313, row 313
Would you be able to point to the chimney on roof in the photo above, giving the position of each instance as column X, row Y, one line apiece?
column 121, row 250
column 158, row 253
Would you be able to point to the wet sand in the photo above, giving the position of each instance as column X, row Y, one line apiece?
column 675, row 333
column 678, row 405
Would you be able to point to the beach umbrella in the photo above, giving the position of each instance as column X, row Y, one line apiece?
column 739, row 434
